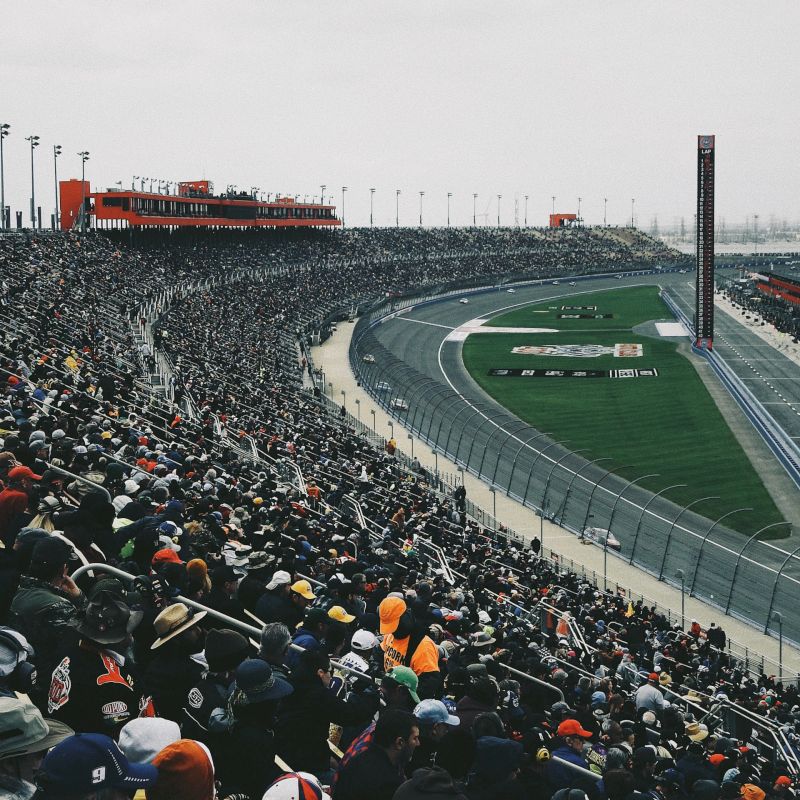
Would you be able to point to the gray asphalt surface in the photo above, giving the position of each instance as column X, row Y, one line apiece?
column 447, row 408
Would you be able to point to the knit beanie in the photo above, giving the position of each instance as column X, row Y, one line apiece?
column 143, row 738
column 225, row 649
column 197, row 570
column 185, row 772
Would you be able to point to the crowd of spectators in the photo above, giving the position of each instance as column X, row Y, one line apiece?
column 777, row 311
column 319, row 621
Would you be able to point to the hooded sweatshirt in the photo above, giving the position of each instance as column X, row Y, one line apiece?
column 430, row 783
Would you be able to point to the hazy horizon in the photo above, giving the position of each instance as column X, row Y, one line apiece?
column 574, row 100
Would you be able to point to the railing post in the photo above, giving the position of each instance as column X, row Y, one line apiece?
column 644, row 510
column 739, row 559
column 703, row 544
column 672, row 528
column 775, row 584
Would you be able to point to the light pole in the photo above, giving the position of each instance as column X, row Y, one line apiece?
column 4, row 128
column 391, row 427
column 494, row 506
column 682, row 577
column 344, row 189
column 358, row 410
column 436, row 463
column 56, row 154
column 372, row 411
column 474, row 200
column 397, row 208
column 778, row 617
column 411, row 439
column 34, row 140
column 344, row 399
column 526, row 211
column 323, row 187
column 579, row 210
column 84, row 154
column 498, row 209
column 633, row 203
column 421, row 195
column 605, row 209
column 371, row 199
column 554, row 203
column 449, row 195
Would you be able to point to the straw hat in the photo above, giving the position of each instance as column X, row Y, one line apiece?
column 174, row 620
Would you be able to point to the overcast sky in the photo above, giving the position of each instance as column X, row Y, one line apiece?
column 592, row 99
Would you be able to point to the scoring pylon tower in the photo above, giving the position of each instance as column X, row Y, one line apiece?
column 704, row 313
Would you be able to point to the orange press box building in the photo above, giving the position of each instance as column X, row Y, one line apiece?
column 194, row 205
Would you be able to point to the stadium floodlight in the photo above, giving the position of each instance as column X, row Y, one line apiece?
column 681, row 576
column 397, row 208
column 554, row 203
column 344, row 189
column 323, row 187
column 411, row 439
column 371, row 201
column 499, row 198
column 84, row 154
column 34, row 140
column 358, row 409
column 633, row 204
column 605, row 210
column 449, row 195
column 4, row 129
column 56, row 154
column 778, row 617
column 474, row 200
column 421, row 195
column 526, row 211
column 579, row 210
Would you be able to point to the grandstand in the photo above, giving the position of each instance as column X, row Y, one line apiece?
column 158, row 395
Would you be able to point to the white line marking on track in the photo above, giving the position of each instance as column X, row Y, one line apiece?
column 424, row 322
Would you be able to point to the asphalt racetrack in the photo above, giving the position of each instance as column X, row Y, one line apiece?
column 748, row 578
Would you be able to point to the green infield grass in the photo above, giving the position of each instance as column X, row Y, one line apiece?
column 667, row 424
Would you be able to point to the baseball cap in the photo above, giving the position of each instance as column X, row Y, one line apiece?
column 405, row 676
column 296, row 786
column 783, row 780
column 280, row 578
column 571, row 727
column 52, row 550
column 303, row 588
column 87, row 762
column 390, row 610
column 340, row 615
column 670, row 777
column 363, row 640
column 21, row 472
column 165, row 556
column 433, row 711
column 314, row 616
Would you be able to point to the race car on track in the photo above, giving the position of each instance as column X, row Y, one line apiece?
column 599, row 535
column 382, row 386
column 463, row 301
column 572, row 283
column 555, row 283
column 398, row 404
column 511, row 291
column 368, row 358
